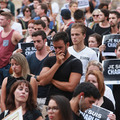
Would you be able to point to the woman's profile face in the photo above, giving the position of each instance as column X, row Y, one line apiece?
column 53, row 111
column 17, row 69
column 21, row 93
column 92, row 79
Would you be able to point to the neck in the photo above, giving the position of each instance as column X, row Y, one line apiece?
column 74, row 106
column 43, row 14
column 104, row 24
column 67, row 55
column 114, row 30
column 79, row 47
column 42, row 53
column 16, row 75
column 7, row 28
column 67, row 21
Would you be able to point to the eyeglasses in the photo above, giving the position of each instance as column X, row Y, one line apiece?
column 54, row 109
column 95, row 15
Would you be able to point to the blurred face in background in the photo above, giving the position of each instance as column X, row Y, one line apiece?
column 30, row 28
column 92, row 42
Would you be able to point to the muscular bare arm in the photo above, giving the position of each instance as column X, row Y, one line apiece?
column 16, row 37
column 74, row 79
column 34, row 87
column 46, row 75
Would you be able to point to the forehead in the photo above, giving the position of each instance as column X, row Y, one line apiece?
column 39, row 37
column 90, row 99
column 52, row 103
column 92, row 39
column 38, row 26
column 93, row 67
column 58, row 43
column 75, row 30
column 23, row 85
column 112, row 15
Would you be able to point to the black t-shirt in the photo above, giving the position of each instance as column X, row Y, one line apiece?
column 88, row 33
column 29, row 115
column 102, row 31
column 72, row 64
column 11, row 80
column 107, row 104
column 76, row 117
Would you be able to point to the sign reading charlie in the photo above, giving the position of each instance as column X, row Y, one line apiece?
column 111, row 71
column 96, row 113
column 110, row 42
column 27, row 48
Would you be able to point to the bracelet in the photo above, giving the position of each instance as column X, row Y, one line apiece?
column 36, row 78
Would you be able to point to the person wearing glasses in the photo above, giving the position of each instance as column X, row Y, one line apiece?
column 59, row 108
column 95, row 16
column 24, row 21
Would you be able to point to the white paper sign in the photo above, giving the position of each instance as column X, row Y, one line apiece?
column 83, row 3
column 16, row 115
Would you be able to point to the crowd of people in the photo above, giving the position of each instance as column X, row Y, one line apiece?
column 64, row 74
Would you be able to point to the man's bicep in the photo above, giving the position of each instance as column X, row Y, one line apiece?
column 44, row 70
column 75, row 77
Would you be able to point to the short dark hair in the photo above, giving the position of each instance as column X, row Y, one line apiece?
column 78, row 14
column 88, row 89
column 39, row 33
column 24, row 9
column 105, row 12
column 44, row 7
column 102, row 5
column 61, row 36
column 66, row 14
column 115, row 12
column 64, row 106
column 40, row 22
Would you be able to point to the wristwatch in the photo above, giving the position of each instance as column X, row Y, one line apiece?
column 36, row 78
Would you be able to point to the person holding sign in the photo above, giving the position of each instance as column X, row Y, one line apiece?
column 20, row 70
column 21, row 94
column 96, row 78
column 85, row 94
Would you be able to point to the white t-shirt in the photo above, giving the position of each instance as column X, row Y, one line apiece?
column 86, row 55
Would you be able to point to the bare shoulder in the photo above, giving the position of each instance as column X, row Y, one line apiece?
column 16, row 37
